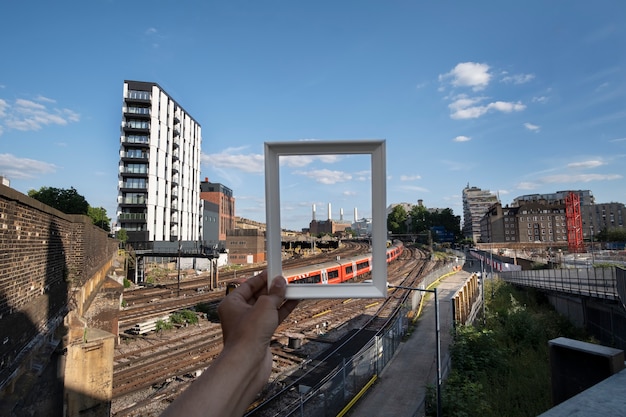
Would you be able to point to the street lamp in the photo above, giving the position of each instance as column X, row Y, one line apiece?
column 437, row 337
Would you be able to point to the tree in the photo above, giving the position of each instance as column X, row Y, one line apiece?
column 67, row 201
column 420, row 219
column 396, row 221
column 122, row 235
column 99, row 217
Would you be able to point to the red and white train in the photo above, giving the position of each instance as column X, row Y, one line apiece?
column 342, row 270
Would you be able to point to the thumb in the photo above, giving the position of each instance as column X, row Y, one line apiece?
column 277, row 290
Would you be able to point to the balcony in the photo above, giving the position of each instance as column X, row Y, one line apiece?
column 136, row 140
column 139, row 112
column 176, row 132
column 136, row 125
column 175, row 166
column 174, row 180
column 134, row 156
column 134, row 171
column 132, row 217
column 136, row 96
column 175, row 154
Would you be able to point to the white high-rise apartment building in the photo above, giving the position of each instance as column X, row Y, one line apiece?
column 159, row 170
column 476, row 203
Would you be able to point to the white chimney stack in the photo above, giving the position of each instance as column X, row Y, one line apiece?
column 329, row 216
column 313, row 212
column 340, row 214
column 356, row 216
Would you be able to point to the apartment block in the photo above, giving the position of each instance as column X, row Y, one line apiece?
column 159, row 168
column 476, row 203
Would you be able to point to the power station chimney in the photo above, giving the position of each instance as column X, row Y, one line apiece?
column 356, row 216
column 341, row 214
column 329, row 216
column 313, row 214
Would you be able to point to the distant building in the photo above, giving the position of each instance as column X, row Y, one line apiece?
column 362, row 227
column 597, row 217
column 532, row 222
column 476, row 203
column 221, row 196
column 245, row 246
column 159, row 168
column 211, row 226
column 317, row 227
column 586, row 198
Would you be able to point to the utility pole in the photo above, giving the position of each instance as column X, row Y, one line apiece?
column 179, row 243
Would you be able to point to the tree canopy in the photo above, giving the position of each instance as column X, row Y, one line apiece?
column 71, row 202
column 420, row 219
column 396, row 221
column 67, row 201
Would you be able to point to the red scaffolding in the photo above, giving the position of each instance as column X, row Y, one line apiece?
column 574, row 224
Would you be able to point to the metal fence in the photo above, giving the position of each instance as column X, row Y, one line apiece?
column 334, row 393
column 593, row 282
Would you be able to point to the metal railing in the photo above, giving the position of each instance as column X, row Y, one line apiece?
column 592, row 282
column 340, row 387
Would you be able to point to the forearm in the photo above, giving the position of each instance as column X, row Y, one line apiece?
column 226, row 388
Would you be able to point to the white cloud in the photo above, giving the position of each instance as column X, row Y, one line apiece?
column 462, row 139
column 586, row 164
column 29, row 115
column 326, row 176
column 618, row 140
column 231, row 159
column 540, row 99
column 13, row 167
column 532, row 127
column 413, row 188
column 296, row 161
column 567, row 179
column 465, row 108
column 518, row 78
column 469, row 74
column 410, row 177
column 564, row 178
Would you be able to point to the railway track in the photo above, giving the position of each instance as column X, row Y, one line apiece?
column 319, row 323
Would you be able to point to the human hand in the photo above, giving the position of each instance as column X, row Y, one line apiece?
column 249, row 316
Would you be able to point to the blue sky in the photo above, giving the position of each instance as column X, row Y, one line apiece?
column 518, row 98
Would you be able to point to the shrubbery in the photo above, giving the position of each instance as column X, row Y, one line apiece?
column 503, row 369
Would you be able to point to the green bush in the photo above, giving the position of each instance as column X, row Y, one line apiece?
column 503, row 369
column 126, row 283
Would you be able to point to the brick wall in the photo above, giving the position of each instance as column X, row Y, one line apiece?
column 44, row 256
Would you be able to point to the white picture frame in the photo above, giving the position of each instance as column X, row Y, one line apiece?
column 376, row 149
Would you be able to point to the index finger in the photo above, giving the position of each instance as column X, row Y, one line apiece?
column 250, row 287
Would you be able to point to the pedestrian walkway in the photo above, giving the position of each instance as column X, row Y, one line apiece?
column 400, row 389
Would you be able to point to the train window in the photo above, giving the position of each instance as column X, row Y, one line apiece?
column 375, row 150
column 311, row 279
column 362, row 265
column 333, row 274
column 349, row 269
